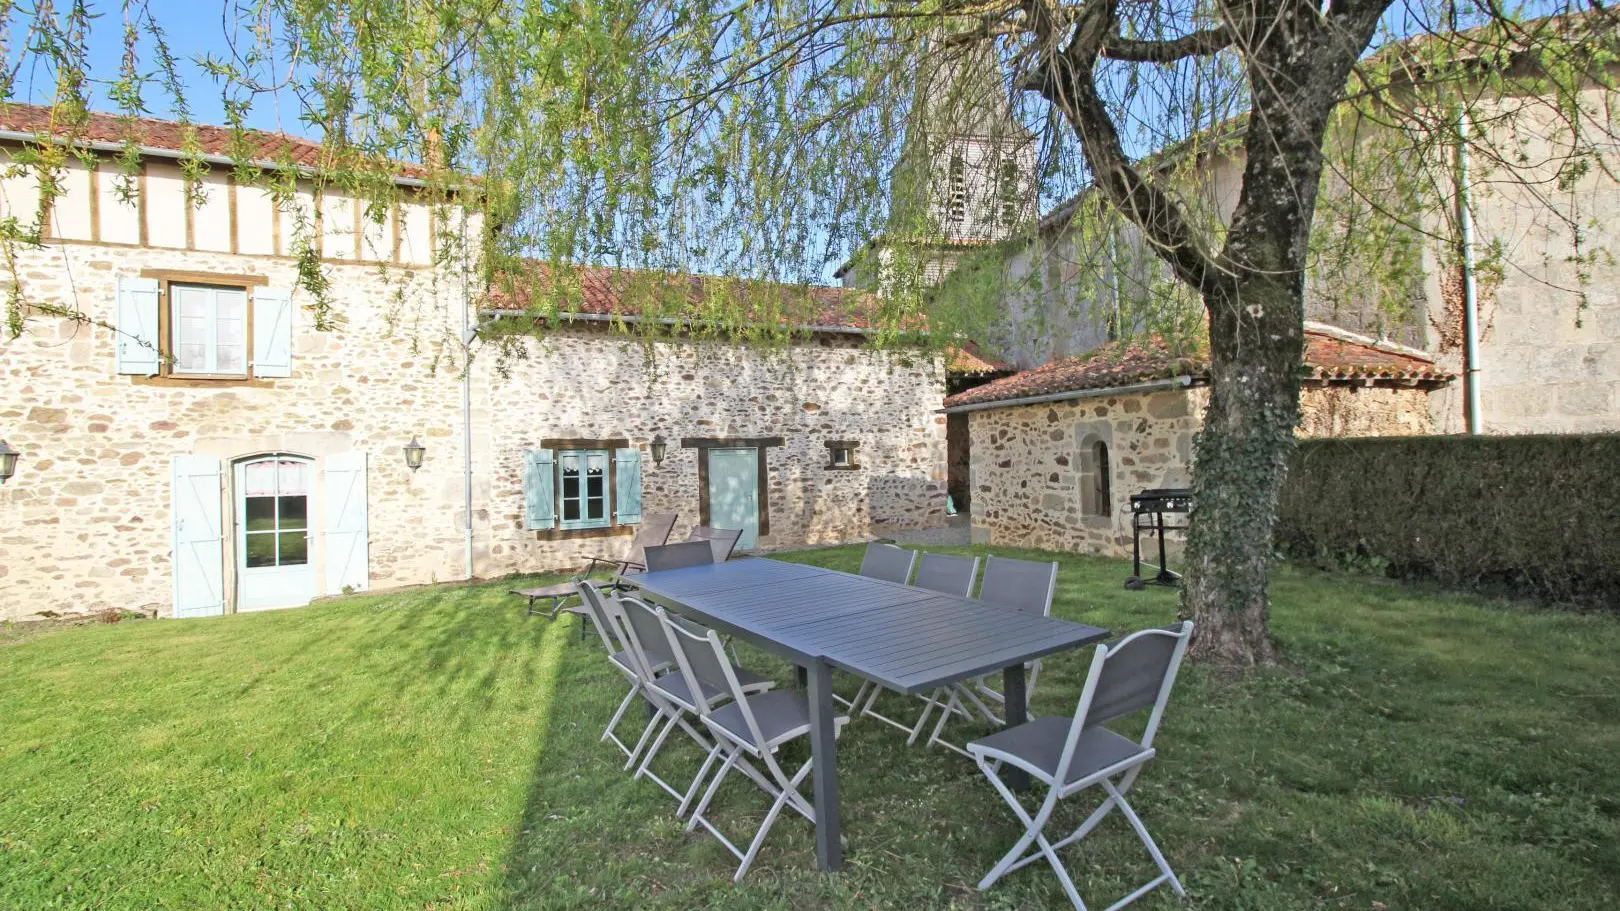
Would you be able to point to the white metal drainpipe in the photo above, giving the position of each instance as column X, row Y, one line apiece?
column 468, row 333
column 1465, row 218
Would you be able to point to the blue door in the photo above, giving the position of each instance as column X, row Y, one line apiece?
column 734, row 492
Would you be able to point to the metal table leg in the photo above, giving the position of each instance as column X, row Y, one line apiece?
column 1017, row 708
column 824, row 773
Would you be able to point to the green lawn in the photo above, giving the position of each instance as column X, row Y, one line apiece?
column 438, row 749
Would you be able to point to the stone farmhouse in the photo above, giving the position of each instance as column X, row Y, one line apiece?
column 192, row 444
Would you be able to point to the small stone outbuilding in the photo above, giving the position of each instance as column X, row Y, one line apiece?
column 1058, row 450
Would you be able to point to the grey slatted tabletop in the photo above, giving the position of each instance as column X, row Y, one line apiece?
column 908, row 639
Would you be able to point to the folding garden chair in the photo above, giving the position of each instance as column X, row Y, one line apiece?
column 679, row 556
column 1069, row 755
column 653, row 531
column 602, row 613
column 1022, row 585
column 941, row 573
column 888, row 562
column 722, row 540
column 750, row 728
column 676, row 695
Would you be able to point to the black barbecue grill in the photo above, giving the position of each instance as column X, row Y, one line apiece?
column 1147, row 514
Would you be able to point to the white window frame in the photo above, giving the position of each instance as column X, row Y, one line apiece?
column 211, row 355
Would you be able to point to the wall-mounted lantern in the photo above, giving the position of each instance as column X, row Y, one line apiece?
column 413, row 454
column 8, row 461
column 659, row 448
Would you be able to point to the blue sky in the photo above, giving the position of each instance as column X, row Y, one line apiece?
column 194, row 28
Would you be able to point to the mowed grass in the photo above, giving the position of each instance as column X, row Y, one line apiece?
column 438, row 749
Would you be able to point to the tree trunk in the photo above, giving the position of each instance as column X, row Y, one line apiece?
column 1241, row 460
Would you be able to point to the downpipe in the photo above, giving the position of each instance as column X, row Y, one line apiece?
column 1465, row 220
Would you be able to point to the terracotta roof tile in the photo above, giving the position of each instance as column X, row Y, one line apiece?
column 169, row 135
column 968, row 359
column 606, row 291
column 1329, row 357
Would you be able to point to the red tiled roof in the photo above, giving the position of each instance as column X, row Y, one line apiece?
column 169, row 136
column 967, row 358
column 606, row 291
column 1329, row 357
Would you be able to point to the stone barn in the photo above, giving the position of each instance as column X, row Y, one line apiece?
column 1058, row 450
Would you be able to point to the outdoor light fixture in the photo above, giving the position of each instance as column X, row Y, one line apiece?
column 8, row 461
column 413, row 454
column 658, row 447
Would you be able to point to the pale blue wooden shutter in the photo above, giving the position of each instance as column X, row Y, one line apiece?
column 272, row 332
column 346, row 530
column 627, row 464
column 198, row 561
column 137, row 326
column 539, row 489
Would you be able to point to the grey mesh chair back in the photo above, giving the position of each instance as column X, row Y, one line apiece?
column 888, row 562
column 645, row 635
column 1019, row 584
column 948, row 574
column 654, row 532
column 701, row 657
column 1130, row 675
column 721, row 540
column 679, row 556
column 600, row 616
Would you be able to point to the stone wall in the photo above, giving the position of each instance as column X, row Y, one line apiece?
column 85, row 525
column 1035, row 467
column 1364, row 411
column 586, row 384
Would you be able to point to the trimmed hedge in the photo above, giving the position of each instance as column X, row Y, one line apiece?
column 1534, row 516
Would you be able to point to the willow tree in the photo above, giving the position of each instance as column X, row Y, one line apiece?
column 771, row 140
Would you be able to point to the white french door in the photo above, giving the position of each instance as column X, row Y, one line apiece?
column 274, row 565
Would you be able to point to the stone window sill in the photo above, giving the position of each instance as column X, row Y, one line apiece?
column 573, row 534
column 203, row 382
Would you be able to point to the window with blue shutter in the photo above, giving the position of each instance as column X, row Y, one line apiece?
column 585, row 488
column 539, row 490
column 627, row 485
column 137, row 328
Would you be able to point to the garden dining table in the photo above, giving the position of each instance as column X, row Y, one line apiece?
column 910, row 640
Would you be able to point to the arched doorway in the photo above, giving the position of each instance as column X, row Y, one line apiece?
column 274, row 553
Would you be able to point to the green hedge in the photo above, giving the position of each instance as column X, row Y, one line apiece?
column 1533, row 516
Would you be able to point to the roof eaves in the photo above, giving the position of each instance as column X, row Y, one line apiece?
column 1182, row 381
column 100, row 145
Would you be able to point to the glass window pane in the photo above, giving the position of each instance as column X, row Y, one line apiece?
column 231, row 359
column 191, row 359
column 261, row 513
column 596, row 508
column 294, row 548
column 231, row 305
column 293, row 478
column 570, row 510
column 260, row 479
column 261, row 550
column 294, row 512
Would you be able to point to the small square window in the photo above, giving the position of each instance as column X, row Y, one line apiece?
column 841, row 455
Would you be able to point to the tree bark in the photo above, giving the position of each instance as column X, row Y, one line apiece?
column 1298, row 57
column 1241, row 460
